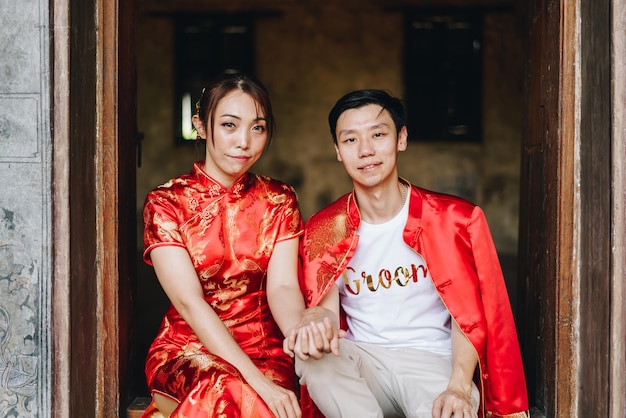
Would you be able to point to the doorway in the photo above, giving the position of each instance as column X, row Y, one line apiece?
column 553, row 261
column 304, row 46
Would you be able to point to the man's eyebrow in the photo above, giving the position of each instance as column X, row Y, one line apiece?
column 346, row 131
column 379, row 125
column 369, row 128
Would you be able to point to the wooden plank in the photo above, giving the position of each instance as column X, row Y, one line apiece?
column 61, row 210
column 84, row 273
column 547, row 266
column 566, row 201
column 618, row 240
column 595, row 212
column 115, row 180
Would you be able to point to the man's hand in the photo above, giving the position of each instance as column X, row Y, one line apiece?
column 453, row 404
column 455, row 401
column 316, row 334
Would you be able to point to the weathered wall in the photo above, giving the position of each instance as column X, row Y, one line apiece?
column 25, row 209
column 309, row 55
column 312, row 53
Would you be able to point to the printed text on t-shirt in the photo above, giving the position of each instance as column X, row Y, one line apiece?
column 401, row 276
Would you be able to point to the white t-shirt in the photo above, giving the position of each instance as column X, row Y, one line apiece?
column 388, row 295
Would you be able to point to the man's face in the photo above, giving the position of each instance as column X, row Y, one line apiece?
column 368, row 146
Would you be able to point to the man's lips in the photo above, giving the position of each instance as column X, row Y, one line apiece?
column 369, row 166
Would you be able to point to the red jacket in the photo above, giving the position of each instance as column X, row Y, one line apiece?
column 453, row 237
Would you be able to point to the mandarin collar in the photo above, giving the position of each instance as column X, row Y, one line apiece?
column 215, row 186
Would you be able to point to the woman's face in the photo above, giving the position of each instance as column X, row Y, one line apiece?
column 239, row 137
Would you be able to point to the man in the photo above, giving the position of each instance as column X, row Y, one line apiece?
column 414, row 279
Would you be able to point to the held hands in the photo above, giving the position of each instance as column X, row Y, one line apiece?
column 316, row 334
column 453, row 403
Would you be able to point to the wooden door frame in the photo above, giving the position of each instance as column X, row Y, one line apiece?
column 573, row 200
column 61, row 211
column 94, row 189
column 108, row 268
column 618, row 238
column 548, row 210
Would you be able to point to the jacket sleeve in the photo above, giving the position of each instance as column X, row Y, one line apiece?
column 503, row 375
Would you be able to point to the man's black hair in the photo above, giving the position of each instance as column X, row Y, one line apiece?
column 360, row 98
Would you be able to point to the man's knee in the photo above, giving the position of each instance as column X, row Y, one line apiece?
column 323, row 368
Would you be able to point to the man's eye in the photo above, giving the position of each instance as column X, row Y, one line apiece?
column 349, row 140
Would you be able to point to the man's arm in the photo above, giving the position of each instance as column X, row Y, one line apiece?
column 455, row 400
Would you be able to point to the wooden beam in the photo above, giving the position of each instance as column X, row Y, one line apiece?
column 566, row 270
column 61, row 209
column 107, row 217
column 618, row 238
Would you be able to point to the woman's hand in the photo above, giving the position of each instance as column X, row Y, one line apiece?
column 282, row 402
column 316, row 334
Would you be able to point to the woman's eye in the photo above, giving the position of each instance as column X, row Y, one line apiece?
column 259, row 128
column 228, row 125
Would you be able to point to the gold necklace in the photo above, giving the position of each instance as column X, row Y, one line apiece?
column 404, row 192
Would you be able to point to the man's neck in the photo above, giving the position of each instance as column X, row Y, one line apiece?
column 380, row 204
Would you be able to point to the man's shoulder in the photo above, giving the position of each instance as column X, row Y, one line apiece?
column 439, row 201
column 338, row 208
column 331, row 224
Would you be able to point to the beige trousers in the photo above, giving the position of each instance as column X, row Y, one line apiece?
column 371, row 381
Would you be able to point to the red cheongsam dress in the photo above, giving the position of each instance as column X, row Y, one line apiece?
column 230, row 235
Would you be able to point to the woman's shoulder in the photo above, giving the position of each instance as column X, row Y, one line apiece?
column 272, row 185
column 171, row 190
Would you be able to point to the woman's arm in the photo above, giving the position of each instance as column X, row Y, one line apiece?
column 179, row 280
column 283, row 290
column 318, row 333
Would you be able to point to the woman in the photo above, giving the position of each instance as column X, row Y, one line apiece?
column 223, row 243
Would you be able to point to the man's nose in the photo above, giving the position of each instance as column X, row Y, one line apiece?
column 365, row 148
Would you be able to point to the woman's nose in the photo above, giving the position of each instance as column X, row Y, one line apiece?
column 243, row 140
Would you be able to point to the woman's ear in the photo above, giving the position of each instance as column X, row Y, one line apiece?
column 199, row 125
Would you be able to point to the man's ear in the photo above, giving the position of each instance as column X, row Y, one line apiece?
column 337, row 152
column 199, row 125
column 403, row 138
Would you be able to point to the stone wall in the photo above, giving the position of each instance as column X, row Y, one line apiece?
column 25, row 209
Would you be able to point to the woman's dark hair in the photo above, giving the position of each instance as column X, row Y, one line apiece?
column 360, row 98
column 223, row 84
